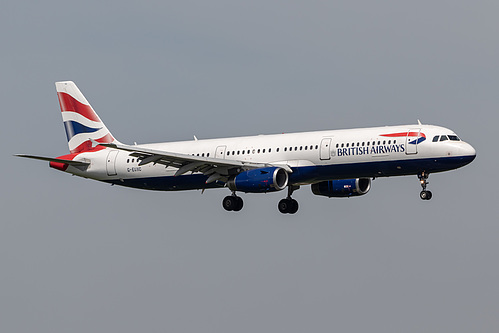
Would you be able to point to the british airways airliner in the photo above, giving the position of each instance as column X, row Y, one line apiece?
column 336, row 163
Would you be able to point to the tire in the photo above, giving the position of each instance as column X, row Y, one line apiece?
column 239, row 204
column 288, row 206
column 425, row 195
column 229, row 203
column 284, row 206
column 293, row 207
column 429, row 195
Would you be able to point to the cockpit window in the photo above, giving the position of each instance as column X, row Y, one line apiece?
column 453, row 137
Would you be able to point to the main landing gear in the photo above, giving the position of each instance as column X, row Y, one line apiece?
column 424, row 195
column 233, row 203
column 289, row 205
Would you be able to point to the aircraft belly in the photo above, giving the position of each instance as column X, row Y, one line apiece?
column 168, row 183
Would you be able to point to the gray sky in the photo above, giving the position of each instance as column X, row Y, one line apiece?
column 80, row 256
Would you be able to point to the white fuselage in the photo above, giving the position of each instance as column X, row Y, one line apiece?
column 313, row 156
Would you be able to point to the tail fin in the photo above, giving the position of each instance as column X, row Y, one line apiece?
column 81, row 122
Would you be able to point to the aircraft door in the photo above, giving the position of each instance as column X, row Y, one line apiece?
column 412, row 141
column 111, row 163
column 325, row 150
column 220, row 152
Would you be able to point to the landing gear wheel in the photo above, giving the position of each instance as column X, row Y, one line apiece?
column 294, row 206
column 288, row 206
column 232, row 203
column 229, row 203
column 283, row 206
column 239, row 204
column 425, row 195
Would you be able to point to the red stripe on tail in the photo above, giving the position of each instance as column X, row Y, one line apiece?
column 68, row 103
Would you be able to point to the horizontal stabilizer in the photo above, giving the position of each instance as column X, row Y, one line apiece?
column 51, row 159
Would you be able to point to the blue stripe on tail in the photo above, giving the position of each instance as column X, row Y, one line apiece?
column 73, row 128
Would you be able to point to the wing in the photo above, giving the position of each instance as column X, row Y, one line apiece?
column 214, row 168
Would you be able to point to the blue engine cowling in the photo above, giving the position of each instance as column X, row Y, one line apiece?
column 259, row 180
column 342, row 187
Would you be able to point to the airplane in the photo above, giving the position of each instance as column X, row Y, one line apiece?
column 336, row 163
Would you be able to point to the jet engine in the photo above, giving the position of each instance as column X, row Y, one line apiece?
column 341, row 188
column 259, row 180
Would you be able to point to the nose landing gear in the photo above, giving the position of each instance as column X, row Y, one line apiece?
column 424, row 194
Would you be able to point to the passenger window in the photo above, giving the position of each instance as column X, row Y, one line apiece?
column 443, row 138
column 435, row 138
column 285, row 148
column 277, row 150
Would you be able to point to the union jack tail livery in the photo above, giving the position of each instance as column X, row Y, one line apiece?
column 81, row 122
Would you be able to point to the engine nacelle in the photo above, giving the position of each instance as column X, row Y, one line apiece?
column 259, row 180
column 342, row 187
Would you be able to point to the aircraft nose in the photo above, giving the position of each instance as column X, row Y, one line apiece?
column 468, row 152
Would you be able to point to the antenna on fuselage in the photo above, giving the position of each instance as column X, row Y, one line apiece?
column 419, row 123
